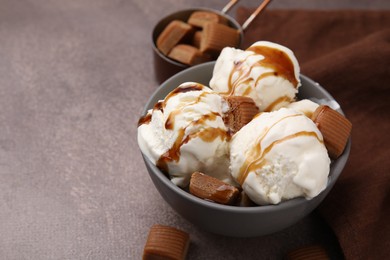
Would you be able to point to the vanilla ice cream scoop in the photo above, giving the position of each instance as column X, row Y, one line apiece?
column 267, row 72
column 278, row 156
column 304, row 106
column 185, row 133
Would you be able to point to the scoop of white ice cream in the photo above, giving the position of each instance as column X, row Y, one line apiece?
column 267, row 72
column 185, row 133
column 278, row 156
column 304, row 106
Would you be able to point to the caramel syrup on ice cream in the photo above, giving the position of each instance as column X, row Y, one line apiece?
column 208, row 134
column 255, row 159
column 278, row 61
column 275, row 59
column 145, row 119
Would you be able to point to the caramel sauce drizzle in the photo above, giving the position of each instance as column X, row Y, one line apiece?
column 255, row 159
column 278, row 61
column 170, row 122
column 274, row 59
column 145, row 119
column 160, row 105
column 172, row 154
column 207, row 134
column 276, row 102
column 176, row 91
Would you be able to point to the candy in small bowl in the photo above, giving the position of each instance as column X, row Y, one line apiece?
column 193, row 36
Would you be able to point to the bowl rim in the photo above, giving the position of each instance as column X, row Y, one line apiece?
column 291, row 203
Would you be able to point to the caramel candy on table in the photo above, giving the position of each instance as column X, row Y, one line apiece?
column 210, row 188
column 241, row 112
column 171, row 35
column 200, row 18
column 188, row 54
column 216, row 36
column 166, row 242
column 308, row 253
column 335, row 129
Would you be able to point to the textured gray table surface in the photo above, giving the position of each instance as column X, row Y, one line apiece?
column 74, row 76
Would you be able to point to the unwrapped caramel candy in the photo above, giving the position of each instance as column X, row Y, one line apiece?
column 166, row 242
column 335, row 129
column 210, row 188
column 171, row 35
column 241, row 112
column 200, row 18
column 217, row 36
column 188, row 54
column 206, row 31
column 196, row 39
column 308, row 253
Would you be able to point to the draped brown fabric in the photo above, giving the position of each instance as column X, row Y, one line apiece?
column 348, row 53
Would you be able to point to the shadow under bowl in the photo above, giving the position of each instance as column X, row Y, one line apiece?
column 232, row 220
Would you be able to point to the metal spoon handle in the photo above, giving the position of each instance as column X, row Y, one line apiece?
column 229, row 6
column 259, row 9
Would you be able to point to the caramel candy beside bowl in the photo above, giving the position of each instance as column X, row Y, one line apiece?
column 234, row 220
column 165, row 242
column 164, row 67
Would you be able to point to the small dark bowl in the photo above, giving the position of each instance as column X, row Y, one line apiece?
column 233, row 220
column 165, row 67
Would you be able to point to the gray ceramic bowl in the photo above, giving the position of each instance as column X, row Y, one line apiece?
column 232, row 220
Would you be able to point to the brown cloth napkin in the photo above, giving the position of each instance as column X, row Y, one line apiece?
column 348, row 53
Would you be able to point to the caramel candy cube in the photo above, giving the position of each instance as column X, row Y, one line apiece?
column 188, row 54
column 171, row 35
column 166, row 242
column 197, row 38
column 200, row 18
column 335, row 129
column 216, row 36
column 210, row 188
column 241, row 112
column 308, row 252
